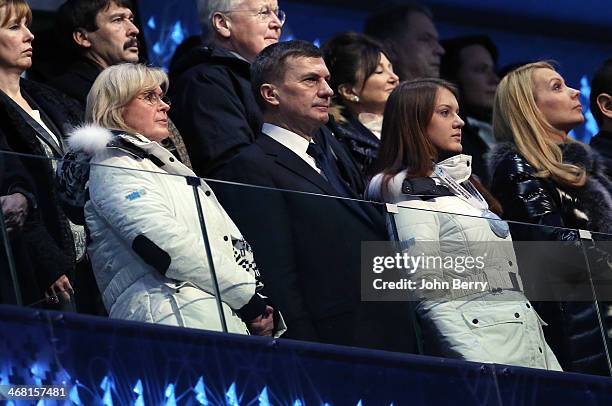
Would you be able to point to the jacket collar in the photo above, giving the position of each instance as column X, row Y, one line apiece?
column 89, row 139
column 288, row 159
column 211, row 55
column 353, row 129
column 86, row 69
column 459, row 167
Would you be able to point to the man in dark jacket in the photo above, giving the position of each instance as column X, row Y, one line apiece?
column 410, row 37
column 308, row 246
column 102, row 33
column 601, row 107
column 213, row 105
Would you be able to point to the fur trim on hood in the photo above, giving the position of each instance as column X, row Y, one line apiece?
column 89, row 138
column 596, row 194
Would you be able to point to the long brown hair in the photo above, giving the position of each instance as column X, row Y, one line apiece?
column 404, row 140
column 405, row 144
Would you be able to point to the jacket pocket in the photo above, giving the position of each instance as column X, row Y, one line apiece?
column 500, row 329
column 493, row 315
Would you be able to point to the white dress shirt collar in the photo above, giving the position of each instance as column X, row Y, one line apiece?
column 294, row 142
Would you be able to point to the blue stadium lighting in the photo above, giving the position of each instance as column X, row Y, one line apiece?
column 170, row 397
column 74, row 395
column 585, row 93
column 4, row 380
column 200, row 391
column 231, row 397
column 106, row 385
column 151, row 23
column 298, row 402
column 263, row 397
column 38, row 372
column 359, row 403
column 178, row 34
column 138, row 390
column 157, row 48
column 317, row 43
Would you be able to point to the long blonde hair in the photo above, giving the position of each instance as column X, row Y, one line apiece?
column 516, row 118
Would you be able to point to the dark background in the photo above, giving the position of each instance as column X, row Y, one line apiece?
column 575, row 34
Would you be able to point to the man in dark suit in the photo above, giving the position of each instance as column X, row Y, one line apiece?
column 307, row 245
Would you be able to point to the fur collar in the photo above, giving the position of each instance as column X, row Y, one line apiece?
column 595, row 196
column 89, row 138
column 575, row 153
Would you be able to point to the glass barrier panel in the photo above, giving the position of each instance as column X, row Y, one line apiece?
column 308, row 250
column 124, row 242
column 598, row 253
column 35, row 250
column 150, row 255
column 487, row 290
column 331, row 270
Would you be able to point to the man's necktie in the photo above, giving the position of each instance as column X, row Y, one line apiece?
column 325, row 164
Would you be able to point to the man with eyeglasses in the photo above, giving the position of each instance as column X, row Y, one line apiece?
column 213, row 104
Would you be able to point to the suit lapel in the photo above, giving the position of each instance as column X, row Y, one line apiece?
column 289, row 160
column 286, row 158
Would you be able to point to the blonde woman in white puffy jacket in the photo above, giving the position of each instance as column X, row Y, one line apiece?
column 146, row 243
column 478, row 312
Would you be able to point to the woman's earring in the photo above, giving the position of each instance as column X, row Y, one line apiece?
column 356, row 99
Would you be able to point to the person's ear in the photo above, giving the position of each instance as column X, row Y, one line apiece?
column 222, row 25
column 348, row 93
column 604, row 102
column 81, row 37
column 269, row 94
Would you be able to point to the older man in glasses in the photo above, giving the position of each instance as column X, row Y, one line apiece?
column 214, row 106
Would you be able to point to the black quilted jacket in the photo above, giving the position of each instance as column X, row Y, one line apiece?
column 574, row 331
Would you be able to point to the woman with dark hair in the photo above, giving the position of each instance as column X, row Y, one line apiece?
column 470, row 63
column 446, row 214
column 362, row 79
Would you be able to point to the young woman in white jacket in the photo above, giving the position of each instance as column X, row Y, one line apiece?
column 443, row 214
column 146, row 243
